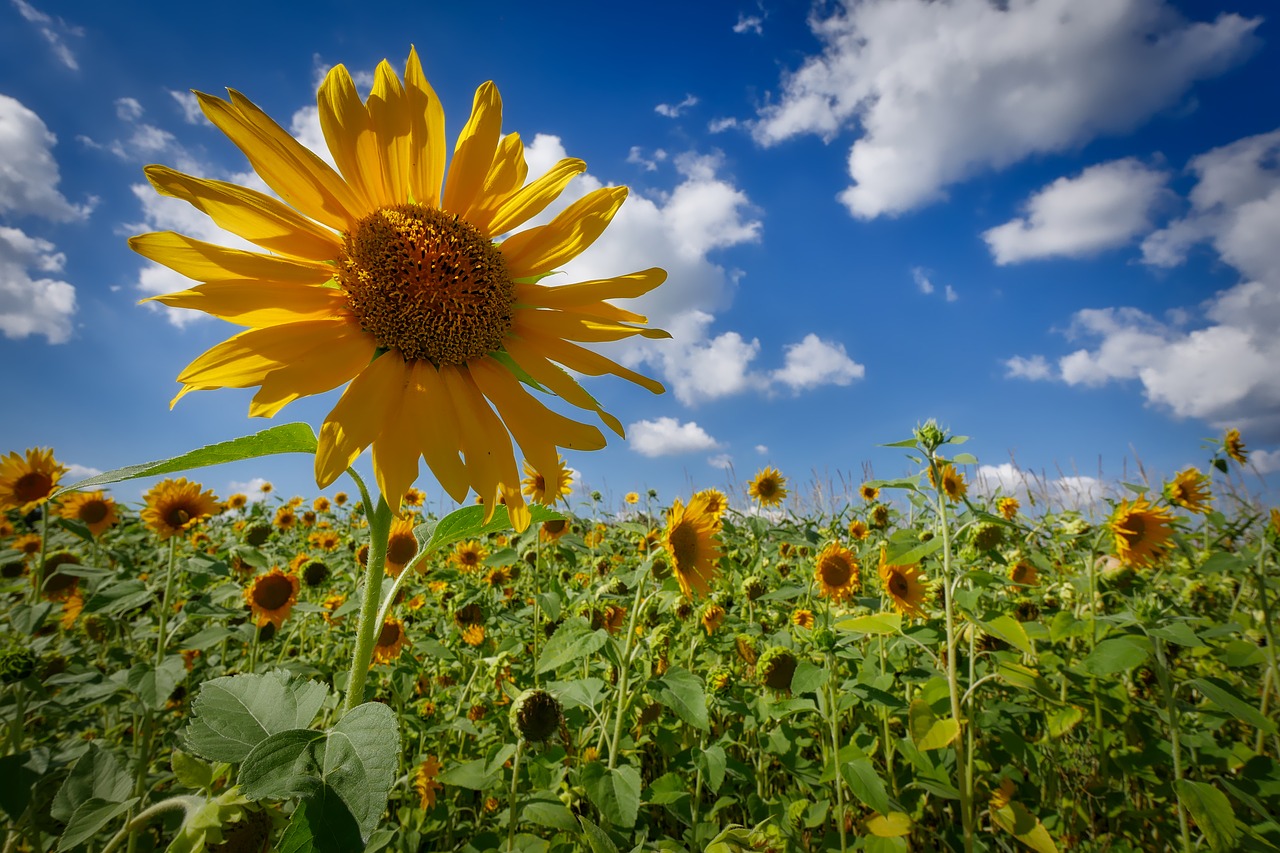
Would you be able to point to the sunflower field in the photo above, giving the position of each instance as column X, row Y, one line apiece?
column 925, row 669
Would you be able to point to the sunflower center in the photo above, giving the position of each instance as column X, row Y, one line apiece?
column 401, row 549
column 32, row 487
column 684, row 544
column 177, row 516
column 427, row 283
column 767, row 488
column 898, row 586
column 93, row 512
column 836, row 571
column 389, row 634
column 272, row 592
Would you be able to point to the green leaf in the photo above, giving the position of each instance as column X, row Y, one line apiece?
column 1024, row 826
column 1010, row 630
column 808, row 678
column 876, row 623
column 285, row 438
column 965, row 459
column 89, row 817
column 323, row 824
column 468, row 523
column 356, row 758
column 550, row 813
column 19, row 774
column 597, row 839
column 572, row 641
column 616, row 792
column 911, row 556
column 1212, row 812
column 713, row 760
column 1117, row 654
column 1063, row 720
column 928, row 731
column 681, row 691
column 1178, row 632
column 96, row 775
column 867, row 785
column 475, row 775
column 233, row 714
column 116, row 598
column 190, row 771
column 1225, row 697
column 153, row 686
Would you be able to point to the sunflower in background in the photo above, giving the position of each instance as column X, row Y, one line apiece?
column 631, row 498
column 385, row 274
column 553, row 530
column 546, row 490
column 94, row 510
column 1141, row 532
column 869, row 492
column 1008, row 508
column 768, row 487
column 271, row 597
column 425, row 784
column 953, row 484
column 469, row 555
column 27, row 481
column 1233, row 446
column 690, row 541
column 905, row 586
column 717, row 501
column 390, row 642
column 858, row 530
column 402, row 547
column 837, row 573
column 175, row 506
column 1189, row 489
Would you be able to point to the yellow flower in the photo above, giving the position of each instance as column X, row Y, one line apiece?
column 1189, row 490
column 25, row 483
column 340, row 498
column 717, row 501
column 71, row 610
column 803, row 618
column 320, row 504
column 331, row 604
column 1275, row 520
column 424, row 782
column 469, row 556
column 412, row 497
column 1008, row 508
column 858, row 530
column 402, row 546
column 614, row 618
column 385, row 274
column 547, row 491
column 632, row 498
column 237, row 501
column 391, row 641
column 712, row 618
column 265, row 487
column 769, row 487
column 326, row 540
column 473, row 635
column 837, row 574
column 905, row 586
column 1141, row 532
column 1233, row 444
column 94, row 510
column 271, row 597
column 953, row 484
column 1024, row 573
column 690, row 540
column 175, row 506
column 554, row 529
column 869, row 492
column 286, row 518
column 28, row 544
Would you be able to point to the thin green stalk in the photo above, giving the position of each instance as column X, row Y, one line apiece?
column 513, row 807
column 623, row 676
column 1175, row 739
column 133, row 824
column 164, row 599
column 833, row 717
column 37, row 571
column 367, row 628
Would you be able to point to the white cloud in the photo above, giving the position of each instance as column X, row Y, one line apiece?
column 761, row 449
column 676, row 110
column 720, row 125
column 32, row 305
column 650, row 164
column 1068, row 491
column 1266, row 461
column 190, row 106
column 1034, row 368
column 749, row 24
column 921, row 277
column 951, row 294
column 28, row 172
column 723, row 461
column 700, row 368
column 251, row 489
column 668, row 437
column 1104, row 207
column 942, row 91
column 814, row 362
column 76, row 473
column 128, row 109
column 53, row 31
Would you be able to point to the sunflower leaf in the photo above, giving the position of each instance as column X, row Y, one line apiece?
column 468, row 523
column 285, row 438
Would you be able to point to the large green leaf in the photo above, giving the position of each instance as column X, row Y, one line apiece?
column 97, row 774
column 1212, row 812
column 1225, row 697
column 597, row 839
column 285, row 438
column 468, row 523
column 875, row 623
column 572, row 641
column 153, row 685
column 1024, row 826
column 233, row 714
column 681, row 691
column 615, row 792
column 867, row 784
column 928, row 730
column 89, row 818
column 321, row 824
column 1117, row 654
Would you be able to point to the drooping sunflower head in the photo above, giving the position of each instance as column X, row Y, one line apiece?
column 1008, row 508
column 952, row 485
column 776, row 667
column 837, row 573
column 395, row 276
column 712, row 617
column 27, row 481
column 553, row 529
column 469, row 555
column 271, row 597
column 175, row 506
column 1189, row 490
column 548, row 489
column 402, row 546
column 869, row 492
column 858, row 530
column 1141, row 532
column 390, row 642
column 905, row 586
column 1233, row 446
column 768, row 487
column 692, row 545
column 94, row 510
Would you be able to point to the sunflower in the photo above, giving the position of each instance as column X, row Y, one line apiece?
column 473, row 635
column 717, row 501
column 469, row 555
column 649, row 541
column 391, row 641
column 72, row 607
column 690, row 541
column 340, row 498
column 1189, row 490
column 59, row 585
column 424, row 782
column 712, row 618
column 803, row 618
column 402, row 546
column 326, row 540
column 1141, row 532
column 858, row 530
column 6, row 527
column 547, row 490
column 631, row 498
column 331, row 604
column 175, row 506
column 237, row 501
column 265, row 487
column 1008, row 508
column 271, row 597
column 413, row 497
column 385, row 274
column 953, row 484
column 614, row 618
column 1024, row 573
column 286, row 518
column 769, row 487
column 1232, row 444
column 27, row 483
column 837, row 573
column 905, row 586
column 553, row 530
column 321, row 504
column 94, row 510
column 869, row 492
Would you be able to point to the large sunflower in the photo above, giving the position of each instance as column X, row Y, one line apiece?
column 175, row 506
column 94, row 510
column 548, row 489
column 953, row 484
column 386, row 274
column 1141, row 532
column 837, row 573
column 25, row 483
column 690, row 540
column 390, row 642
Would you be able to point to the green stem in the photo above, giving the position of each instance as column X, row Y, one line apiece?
column 624, row 674
column 164, row 599
column 133, row 824
column 833, row 717
column 513, row 808
column 367, row 628
column 37, row 571
column 1175, row 739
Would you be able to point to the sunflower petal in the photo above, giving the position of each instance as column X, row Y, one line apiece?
column 349, row 134
column 585, row 361
column 295, row 173
column 334, row 364
column 389, row 116
column 532, row 199
column 534, row 295
column 506, row 175
column 590, row 292
column 473, row 153
column 203, row 261
column 259, row 303
column 568, row 326
column 357, row 418
column 395, row 450
column 245, row 359
column 486, row 444
column 560, row 383
column 426, row 133
column 429, row 407
column 543, row 248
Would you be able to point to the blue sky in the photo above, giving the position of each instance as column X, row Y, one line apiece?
column 1054, row 226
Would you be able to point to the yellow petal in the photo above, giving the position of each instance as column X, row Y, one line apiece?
column 506, row 175
column 259, row 303
column 292, row 171
column 485, row 442
column 558, row 381
column 428, row 407
column 349, row 134
column 395, row 450
column 389, row 116
column 357, row 418
column 474, row 151
column 256, row 217
column 587, row 292
column 571, row 327
column 426, row 133
column 543, row 248
column 532, row 295
column 334, row 364
column 532, row 199
column 208, row 262
column 585, row 361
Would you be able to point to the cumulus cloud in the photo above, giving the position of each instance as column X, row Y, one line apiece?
column 76, row 473
column 29, row 174
column 1266, row 461
column 53, row 31
column 720, row 125
column 676, row 110
column 31, row 303
column 650, row 164
column 1104, row 207
column 723, row 461
column 1072, row 491
column 921, row 277
column 762, row 449
column 942, row 91
column 814, row 362
column 668, row 437
column 190, row 106
column 1034, row 368
column 251, row 489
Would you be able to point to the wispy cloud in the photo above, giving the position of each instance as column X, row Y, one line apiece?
column 675, row 110
column 53, row 30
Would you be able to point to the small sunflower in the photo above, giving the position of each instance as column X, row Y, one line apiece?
column 615, row 618
column 326, row 540
column 649, row 541
column 498, row 577
column 340, row 498
column 391, row 641
column 1189, row 490
column 858, row 530
column 473, row 635
column 94, row 510
column 837, row 573
column 72, row 607
column 286, row 518
column 768, row 487
column 271, row 597
column 402, row 546
column 1141, row 532
column 331, row 604
column 1024, row 573
column 548, row 489
column 553, row 530
column 321, row 504
column 60, row 585
column 869, row 492
column 25, row 483
column 690, row 541
column 712, row 618
column 1232, row 445
column 717, row 501
column 469, row 555
column 905, row 586
column 632, row 498
column 6, row 527
column 803, row 618
column 1008, row 508
column 953, row 484
column 413, row 497
column 238, row 501
column 175, row 506
column 424, row 781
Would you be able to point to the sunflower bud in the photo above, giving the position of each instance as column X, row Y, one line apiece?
column 16, row 664
column 314, row 573
column 536, row 715
column 987, row 537
column 930, row 436
column 257, row 534
column 753, row 587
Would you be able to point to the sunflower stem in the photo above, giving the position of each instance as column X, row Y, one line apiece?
column 368, row 626
column 164, row 599
column 624, row 673
column 513, row 810
column 1175, row 738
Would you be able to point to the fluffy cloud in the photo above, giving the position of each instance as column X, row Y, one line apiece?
column 723, row 461
column 52, row 30
column 1069, row 491
column 1104, row 207
column 29, row 174
column 669, row 437
column 33, row 305
column 942, row 91
column 1034, row 368
column 76, row 473
column 814, row 362
column 251, row 489
column 190, row 106
column 676, row 110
